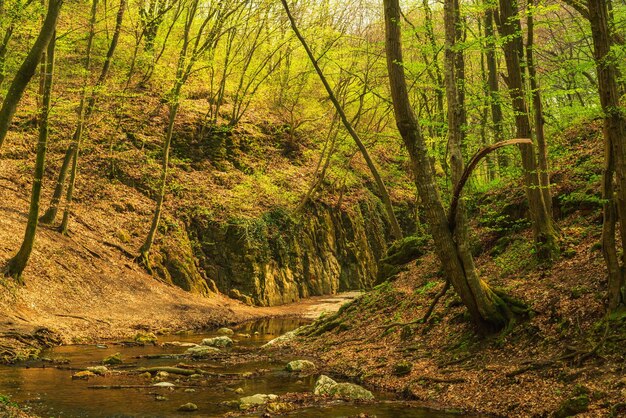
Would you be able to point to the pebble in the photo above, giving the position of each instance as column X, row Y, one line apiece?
column 188, row 407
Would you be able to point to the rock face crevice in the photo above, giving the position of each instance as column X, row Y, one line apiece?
column 276, row 259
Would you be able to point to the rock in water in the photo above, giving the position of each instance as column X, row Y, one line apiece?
column 351, row 391
column 219, row 342
column 248, row 402
column 85, row 374
column 99, row 370
column 283, row 338
column 225, row 331
column 142, row 338
column 164, row 385
column 201, row 351
column 188, row 407
column 323, row 385
column 113, row 359
column 301, row 366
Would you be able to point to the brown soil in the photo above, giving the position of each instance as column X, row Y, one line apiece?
column 559, row 353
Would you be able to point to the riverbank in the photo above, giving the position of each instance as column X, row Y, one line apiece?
column 562, row 361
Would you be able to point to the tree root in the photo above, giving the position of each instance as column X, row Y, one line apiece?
column 429, row 312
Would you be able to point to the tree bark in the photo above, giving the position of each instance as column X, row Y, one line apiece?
column 485, row 307
column 546, row 244
column 18, row 263
column 85, row 114
column 382, row 189
column 28, row 68
column 542, row 147
column 614, row 149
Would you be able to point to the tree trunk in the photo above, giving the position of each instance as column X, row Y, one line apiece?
column 494, row 89
column 85, row 114
column 382, row 189
column 510, row 30
column 28, row 68
column 615, row 157
column 542, row 148
column 485, row 307
column 17, row 264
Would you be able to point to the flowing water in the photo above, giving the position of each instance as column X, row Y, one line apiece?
column 48, row 390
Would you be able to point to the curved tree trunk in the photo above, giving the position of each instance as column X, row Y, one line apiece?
column 485, row 307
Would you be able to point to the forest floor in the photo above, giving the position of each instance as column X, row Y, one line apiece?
column 563, row 356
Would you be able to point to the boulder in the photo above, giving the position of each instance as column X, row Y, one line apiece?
column 99, row 370
column 113, row 359
column 225, row 331
column 201, row 351
column 351, row 391
column 142, row 338
column 85, row 374
column 283, row 338
column 323, row 385
column 248, row 402
column 219, row 342
column 300, row 366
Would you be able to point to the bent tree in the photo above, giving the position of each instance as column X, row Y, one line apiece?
column 486, row 307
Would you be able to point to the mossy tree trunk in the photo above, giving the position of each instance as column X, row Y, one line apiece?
column 380, row 184
column 17, row 264
column 28, row 68
column 542, row 147
column 614, row 148
column 546, row 243
column 485, row 307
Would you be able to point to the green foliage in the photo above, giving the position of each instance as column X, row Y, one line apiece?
column 517, row 258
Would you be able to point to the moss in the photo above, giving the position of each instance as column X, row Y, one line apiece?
column 573, row 406
column 113, row 359
column 142, row 338
column 402, row 369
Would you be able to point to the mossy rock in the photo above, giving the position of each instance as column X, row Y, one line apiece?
column 402, row 368
column 142, row 338
column 113, row 359
column 572, row 407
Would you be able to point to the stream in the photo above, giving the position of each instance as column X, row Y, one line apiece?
column 46, row 388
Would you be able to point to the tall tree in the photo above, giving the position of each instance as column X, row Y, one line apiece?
column 485, row 306
column 17, row 264
column 614, row 133
column 511, row 32
column 382, row 189
column 542, row 147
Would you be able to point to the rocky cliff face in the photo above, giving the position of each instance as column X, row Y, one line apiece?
column 276, row 259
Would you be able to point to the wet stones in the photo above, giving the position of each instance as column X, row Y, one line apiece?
column 300, row 366
column 201, row 351
column 219, row 342
column 325, row 386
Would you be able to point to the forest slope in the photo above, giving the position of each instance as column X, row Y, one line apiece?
column 565, row 355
